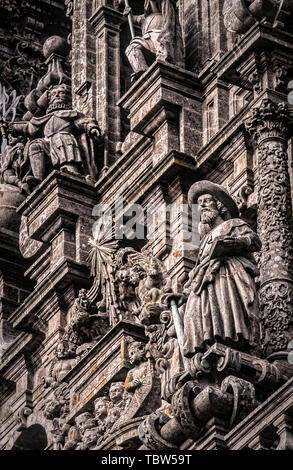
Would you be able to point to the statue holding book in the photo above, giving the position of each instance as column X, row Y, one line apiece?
column 222, row 304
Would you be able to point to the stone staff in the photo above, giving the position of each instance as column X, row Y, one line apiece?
column 178, row 324
column 129, row 17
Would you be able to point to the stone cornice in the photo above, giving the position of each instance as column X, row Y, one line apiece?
column 173, row 164
column 68, row 269
column 259, row 38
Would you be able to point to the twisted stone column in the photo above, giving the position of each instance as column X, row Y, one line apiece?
column 268, row 125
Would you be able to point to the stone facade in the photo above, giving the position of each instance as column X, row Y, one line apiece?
column 171, row 327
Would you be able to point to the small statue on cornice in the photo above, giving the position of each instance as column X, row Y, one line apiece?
column 161, row 36
column 59, row 136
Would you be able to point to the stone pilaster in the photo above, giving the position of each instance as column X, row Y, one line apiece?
column 268, row 126
column 83, row 58
column 107, row 22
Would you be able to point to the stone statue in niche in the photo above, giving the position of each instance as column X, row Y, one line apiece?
column 60, row 137
column 222, row 305
column 161, row 36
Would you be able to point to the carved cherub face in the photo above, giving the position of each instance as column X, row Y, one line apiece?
column 123, row 275
column 208, row 208
column 134, row 277
column 60, row 351
column 116, row 391
column 136, row 352
column 90, row 436
column 82, row 294
column 101, row 408
column 52, row 409
column 83, row 422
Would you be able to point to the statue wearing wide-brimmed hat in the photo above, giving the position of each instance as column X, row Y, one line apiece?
column 222, row 305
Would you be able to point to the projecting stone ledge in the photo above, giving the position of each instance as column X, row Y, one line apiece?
column 164, row 105
column 106, row 362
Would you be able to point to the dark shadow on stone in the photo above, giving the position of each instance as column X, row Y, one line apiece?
column 33, row 438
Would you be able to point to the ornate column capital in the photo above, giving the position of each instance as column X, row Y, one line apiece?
column 269, row 121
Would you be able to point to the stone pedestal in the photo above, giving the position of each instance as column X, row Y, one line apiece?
column 59, row 214
column 164, row 104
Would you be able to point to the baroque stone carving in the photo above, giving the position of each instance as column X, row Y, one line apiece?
column 58, row 407
column 59, row 137
column 120, row 399
column 128, row 284
column 142, row 381
column 62, row 363
column 22, row 71
column 268, row 126
column 85, row 324
column 13, row 170
column 136, row 396
column 222, row 304
column 21, row 417
column 192, row 407
column 240, row 15
column 161, row 36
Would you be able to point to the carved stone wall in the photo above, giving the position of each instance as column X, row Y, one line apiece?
column 165, row 106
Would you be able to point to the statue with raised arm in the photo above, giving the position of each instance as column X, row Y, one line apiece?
column 161, row 36
column 222, row 303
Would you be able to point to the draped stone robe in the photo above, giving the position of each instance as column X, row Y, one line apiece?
column 223, row 303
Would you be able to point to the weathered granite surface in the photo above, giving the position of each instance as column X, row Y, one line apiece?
column 180, row 339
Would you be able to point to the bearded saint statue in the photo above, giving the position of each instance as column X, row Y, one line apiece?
column 222, row 305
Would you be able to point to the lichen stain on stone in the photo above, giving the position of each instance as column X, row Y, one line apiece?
column 178, row 254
